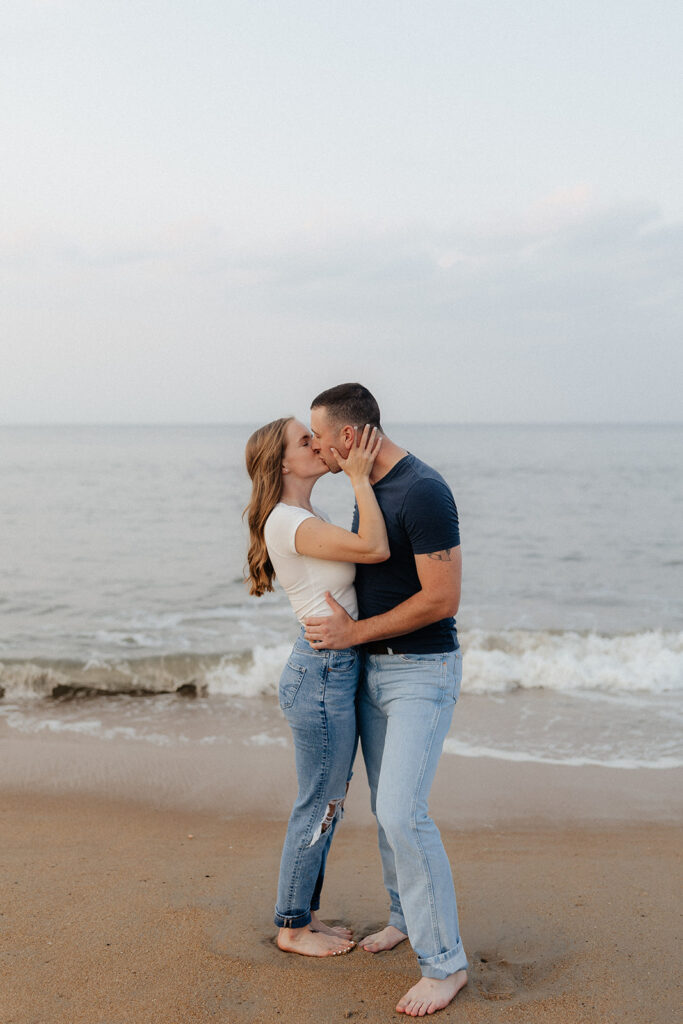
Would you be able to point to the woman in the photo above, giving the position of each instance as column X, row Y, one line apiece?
column 311, row 557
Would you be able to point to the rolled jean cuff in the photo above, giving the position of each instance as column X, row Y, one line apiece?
column 397, row 919
column 293, row 921
column 444, row 964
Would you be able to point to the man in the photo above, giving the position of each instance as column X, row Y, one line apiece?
column 411, row 683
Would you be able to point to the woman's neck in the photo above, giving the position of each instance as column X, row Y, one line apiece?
column 297, row 492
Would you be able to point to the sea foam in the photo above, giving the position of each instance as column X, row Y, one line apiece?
column 649, row 663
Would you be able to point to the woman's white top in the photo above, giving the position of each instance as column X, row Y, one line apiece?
column 303, row 578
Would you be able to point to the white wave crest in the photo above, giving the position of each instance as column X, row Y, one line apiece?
column 650, row 662
column 249, row 677
column 25, row 680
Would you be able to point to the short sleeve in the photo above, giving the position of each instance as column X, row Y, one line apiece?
column 281, row 526
column 430, row 517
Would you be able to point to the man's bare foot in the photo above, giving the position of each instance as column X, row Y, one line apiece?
column 386, row 939
column 431, row 994
column 310, row 943
column 340, row 930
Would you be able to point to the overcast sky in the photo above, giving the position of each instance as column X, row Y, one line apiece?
column 212, row 209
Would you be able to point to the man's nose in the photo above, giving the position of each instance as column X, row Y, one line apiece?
column 315, row 445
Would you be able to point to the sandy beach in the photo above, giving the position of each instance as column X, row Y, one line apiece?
column 138, row 888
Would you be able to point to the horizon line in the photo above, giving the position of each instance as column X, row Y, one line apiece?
column 398, row 423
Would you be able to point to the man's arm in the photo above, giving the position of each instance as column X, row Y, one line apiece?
column 440, row 574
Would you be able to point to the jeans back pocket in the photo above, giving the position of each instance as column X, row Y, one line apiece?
column 290, row 681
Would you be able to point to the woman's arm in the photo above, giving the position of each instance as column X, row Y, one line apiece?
column 370, row 544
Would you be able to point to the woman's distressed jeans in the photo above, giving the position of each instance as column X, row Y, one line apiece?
column 317, row 694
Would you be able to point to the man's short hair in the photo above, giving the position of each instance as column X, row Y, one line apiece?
column 349, row 403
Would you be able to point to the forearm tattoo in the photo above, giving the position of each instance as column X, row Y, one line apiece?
column 441, row 556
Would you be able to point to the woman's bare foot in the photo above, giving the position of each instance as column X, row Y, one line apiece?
column 386, row 939
column 310, row 943
column 431, row 994
column 340, row 930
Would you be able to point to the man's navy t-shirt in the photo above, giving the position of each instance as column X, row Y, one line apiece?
column 421, row 517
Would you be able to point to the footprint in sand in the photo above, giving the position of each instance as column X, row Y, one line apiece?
column 497, row 978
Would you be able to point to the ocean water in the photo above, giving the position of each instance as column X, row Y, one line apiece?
column 121, row 561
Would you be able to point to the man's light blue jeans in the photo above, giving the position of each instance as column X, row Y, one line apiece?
column 318, row 696
column 405, row 707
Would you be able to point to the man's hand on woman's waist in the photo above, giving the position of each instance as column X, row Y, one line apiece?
column 439, row 573
column 331, row 632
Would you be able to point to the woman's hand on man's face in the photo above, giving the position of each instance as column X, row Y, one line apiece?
column 362, row 454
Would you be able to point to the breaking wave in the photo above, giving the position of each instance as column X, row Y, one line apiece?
column 494, row 663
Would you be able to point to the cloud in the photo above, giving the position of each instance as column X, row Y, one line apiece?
column 626, row 254
column 563, row 308
column 605, row 265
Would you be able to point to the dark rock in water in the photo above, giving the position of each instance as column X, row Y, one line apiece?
column 71, row 691
column 188, row 690
column 63, row 691
column 75, row 691
column 2, row 692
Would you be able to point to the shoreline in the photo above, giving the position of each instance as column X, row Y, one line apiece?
column 252, row 772
column 117, row 913
column 140, row 881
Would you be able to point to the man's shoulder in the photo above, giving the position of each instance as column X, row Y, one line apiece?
column 412, row 486
column 423, row 482
column 416, row 490
column 422, row 471
column 408, row 471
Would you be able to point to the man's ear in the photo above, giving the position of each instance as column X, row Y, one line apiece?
column 348, row 435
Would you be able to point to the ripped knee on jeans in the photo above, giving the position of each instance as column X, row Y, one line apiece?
column 335, row 810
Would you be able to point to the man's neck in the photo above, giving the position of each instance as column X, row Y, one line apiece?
column 389, row 455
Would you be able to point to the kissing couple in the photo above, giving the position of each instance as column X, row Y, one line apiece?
column 377, row 658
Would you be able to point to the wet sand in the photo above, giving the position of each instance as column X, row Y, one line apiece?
column 111, row 914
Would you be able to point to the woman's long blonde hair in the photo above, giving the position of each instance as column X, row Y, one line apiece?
column 264, row 454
